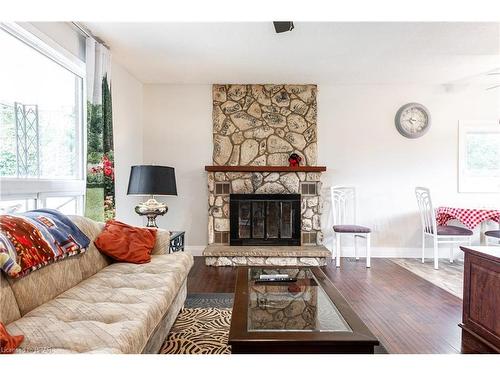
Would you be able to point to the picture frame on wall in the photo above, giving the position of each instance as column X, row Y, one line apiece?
column 479, row 157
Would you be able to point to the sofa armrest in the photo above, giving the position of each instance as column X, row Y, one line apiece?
column 162, row 242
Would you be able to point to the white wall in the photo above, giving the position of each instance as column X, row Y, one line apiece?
column 127, row 94
column 65, row 35
column 357, row 141
column 178, row 133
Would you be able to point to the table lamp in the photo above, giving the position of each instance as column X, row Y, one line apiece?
column 151, row 180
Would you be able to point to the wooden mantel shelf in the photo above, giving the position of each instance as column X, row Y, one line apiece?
column 262, row 168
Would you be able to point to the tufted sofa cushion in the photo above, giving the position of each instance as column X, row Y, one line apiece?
column 9, row 310
column 114, row 311
column 45, row 284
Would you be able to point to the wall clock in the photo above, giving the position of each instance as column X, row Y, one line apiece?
column 413, row 120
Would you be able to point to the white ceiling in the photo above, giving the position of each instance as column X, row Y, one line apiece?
column 316, row 52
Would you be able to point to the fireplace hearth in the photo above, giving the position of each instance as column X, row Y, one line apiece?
column 265, row 219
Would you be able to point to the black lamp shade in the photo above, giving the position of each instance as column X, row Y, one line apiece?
column 152, row 180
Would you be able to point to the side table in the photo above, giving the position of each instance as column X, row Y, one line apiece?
column 176, row 242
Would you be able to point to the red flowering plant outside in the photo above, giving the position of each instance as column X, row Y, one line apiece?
column 95, row 175
column 109, row 208
column 98, row 174
column 108, row 168
column 109, row 185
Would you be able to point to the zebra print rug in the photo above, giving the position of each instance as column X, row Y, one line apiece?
column 202, row 327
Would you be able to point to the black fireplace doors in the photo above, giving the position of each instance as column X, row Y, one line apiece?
column 264, row 219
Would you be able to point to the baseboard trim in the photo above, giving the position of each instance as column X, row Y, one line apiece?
column 195, row 250
column 377, row 252
column 400, row 252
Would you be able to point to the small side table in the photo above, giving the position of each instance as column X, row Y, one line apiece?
column 176, row 242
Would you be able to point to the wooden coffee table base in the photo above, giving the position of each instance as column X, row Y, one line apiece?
column 299, row 348
column 357, row 340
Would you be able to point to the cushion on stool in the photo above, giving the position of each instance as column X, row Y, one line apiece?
column 451, row 230
column 351, row 229
column 493, row 233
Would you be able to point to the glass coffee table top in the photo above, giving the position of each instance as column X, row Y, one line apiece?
column 300, row 306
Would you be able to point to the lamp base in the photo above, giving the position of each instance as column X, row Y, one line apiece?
column 151, row 209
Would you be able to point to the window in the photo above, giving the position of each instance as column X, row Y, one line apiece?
column 17, row 205
column 41, row 124
column 479, row 157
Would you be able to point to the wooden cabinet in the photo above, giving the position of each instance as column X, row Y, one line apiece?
column 481, row 301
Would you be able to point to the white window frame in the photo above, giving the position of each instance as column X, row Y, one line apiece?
column 469, row 184
column 39, row 189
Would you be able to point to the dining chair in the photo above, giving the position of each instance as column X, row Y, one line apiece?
column 343, row 199
column 492, row 237
column 449, row 234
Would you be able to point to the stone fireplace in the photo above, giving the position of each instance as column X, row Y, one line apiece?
column 255, row 129
column 222, row 184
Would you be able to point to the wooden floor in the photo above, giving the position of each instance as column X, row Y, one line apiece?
column 407, row 313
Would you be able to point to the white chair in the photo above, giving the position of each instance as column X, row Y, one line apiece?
column 449, row 234
column 492, row 237
column 344, row 221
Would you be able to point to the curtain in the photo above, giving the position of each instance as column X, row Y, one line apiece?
column 100, row 191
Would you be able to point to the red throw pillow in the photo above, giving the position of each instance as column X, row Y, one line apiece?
column 8, row 343
column 126, row 243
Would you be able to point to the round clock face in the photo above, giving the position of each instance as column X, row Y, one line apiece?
column 413, row 120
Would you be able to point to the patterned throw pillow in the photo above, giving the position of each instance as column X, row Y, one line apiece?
column 37, row 238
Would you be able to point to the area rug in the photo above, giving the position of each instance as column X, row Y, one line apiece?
column 449, row 276
column 202, row 327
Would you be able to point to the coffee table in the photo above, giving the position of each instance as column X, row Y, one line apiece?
column 305, row 316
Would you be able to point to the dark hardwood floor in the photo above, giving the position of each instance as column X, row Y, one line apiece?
column 407, row 313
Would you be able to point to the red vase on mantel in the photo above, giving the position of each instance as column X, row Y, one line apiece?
column 294, row 160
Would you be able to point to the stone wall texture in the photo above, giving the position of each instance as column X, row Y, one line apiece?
column 264, row 124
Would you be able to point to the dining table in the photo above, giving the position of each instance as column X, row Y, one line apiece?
column 469, row 217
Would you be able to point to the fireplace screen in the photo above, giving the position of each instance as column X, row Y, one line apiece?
column 264, row 219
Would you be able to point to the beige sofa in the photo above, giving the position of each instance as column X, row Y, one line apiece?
column 87, row 304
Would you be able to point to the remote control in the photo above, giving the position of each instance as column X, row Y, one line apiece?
column 277, row 276
column 279, row 280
